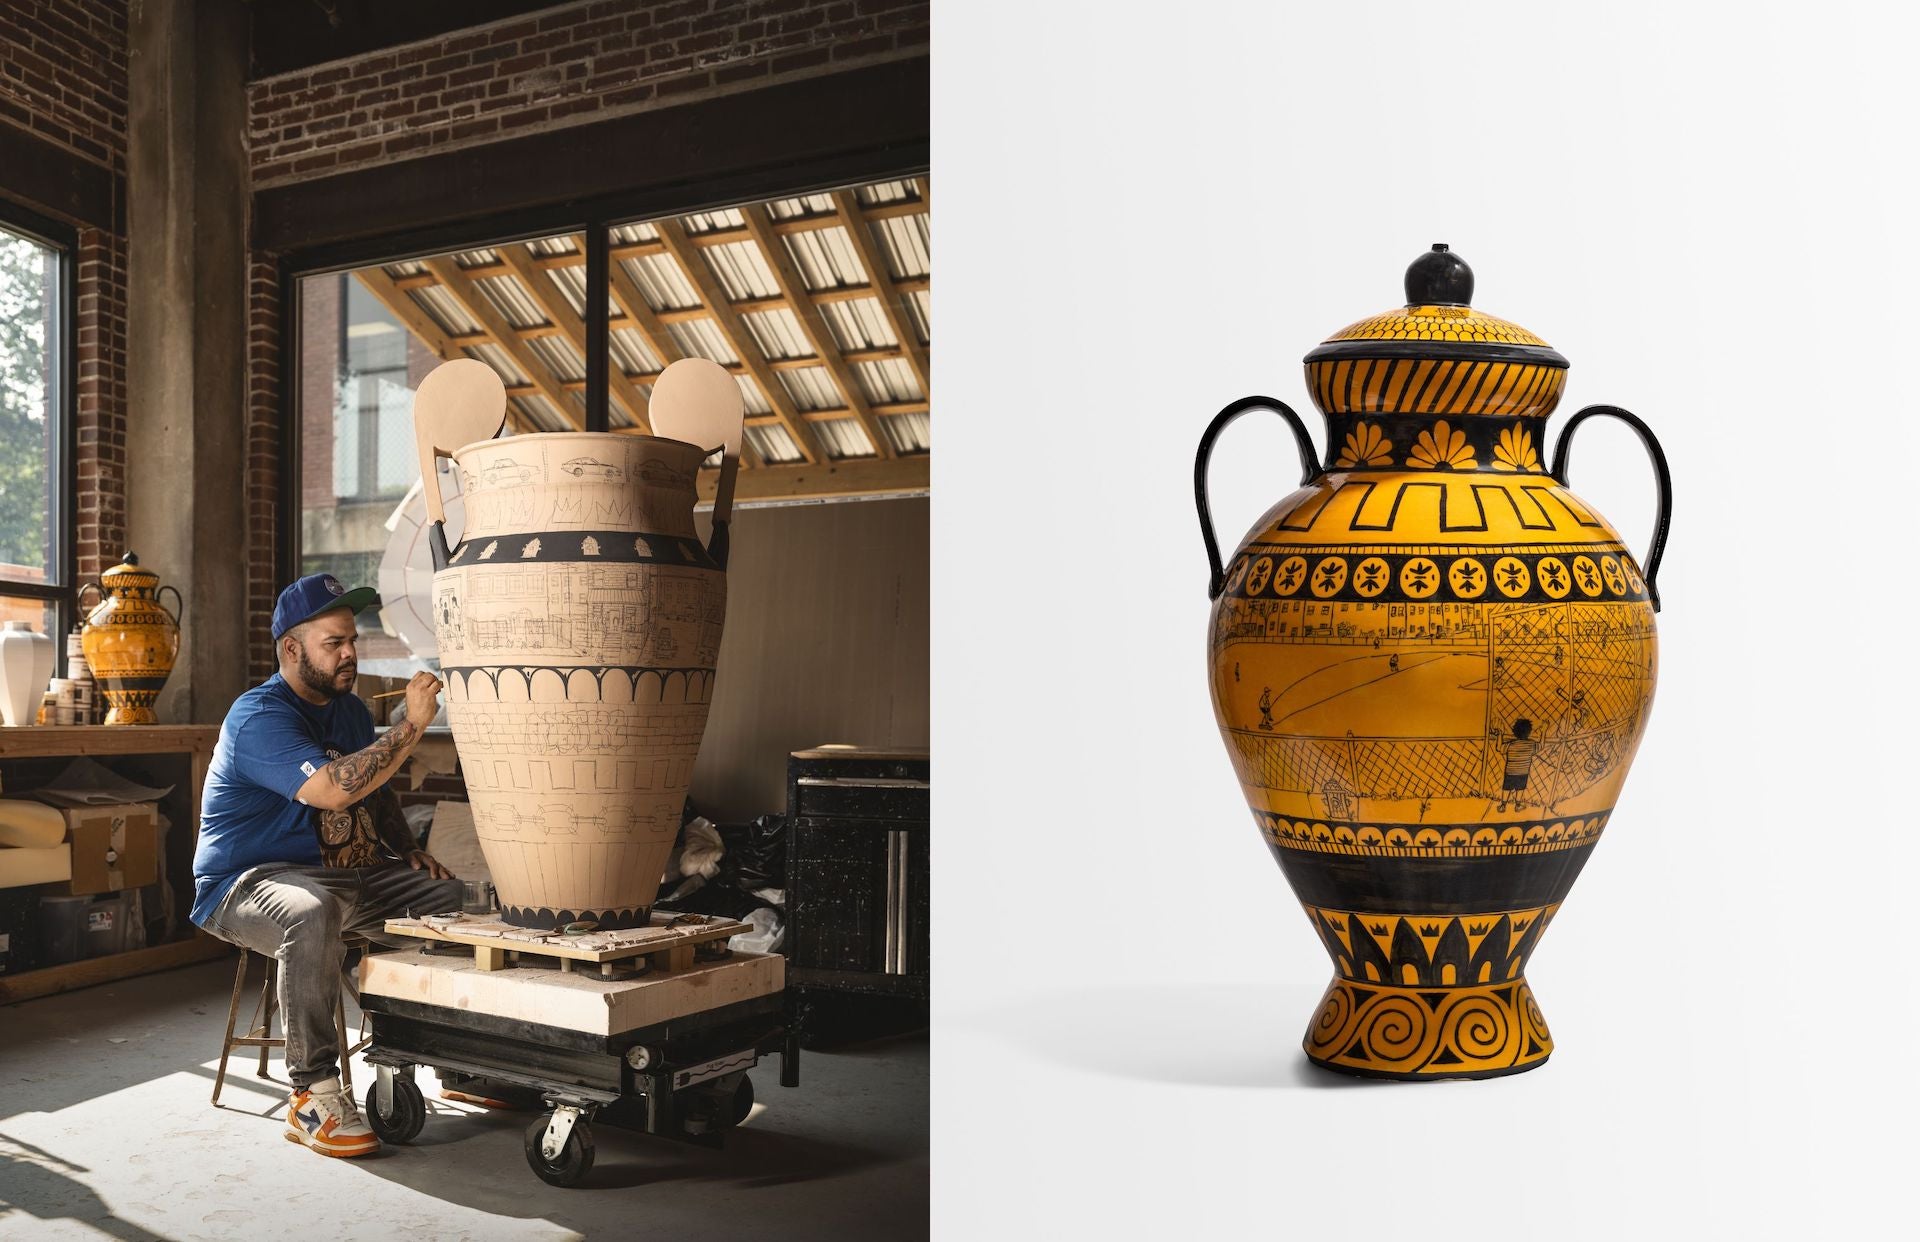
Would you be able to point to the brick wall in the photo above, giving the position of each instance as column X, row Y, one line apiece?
column 63, row 78
column 263, row 461
column 570, row 65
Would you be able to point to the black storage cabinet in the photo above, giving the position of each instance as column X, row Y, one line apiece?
column 857, row 871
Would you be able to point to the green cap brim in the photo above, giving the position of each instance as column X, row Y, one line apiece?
column 357, row 600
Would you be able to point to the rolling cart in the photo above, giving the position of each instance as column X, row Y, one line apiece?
column 654, row 1033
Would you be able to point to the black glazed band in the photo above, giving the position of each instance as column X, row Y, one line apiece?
column 1506, row 443
column 1445, row 351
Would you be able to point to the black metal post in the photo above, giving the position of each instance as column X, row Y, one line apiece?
column 597, row 292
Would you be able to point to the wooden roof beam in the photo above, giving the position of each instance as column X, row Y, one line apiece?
column 845, row 479
column 825, row 348
column 881, row 278
column 695, row 268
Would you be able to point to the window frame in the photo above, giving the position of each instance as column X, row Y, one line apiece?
column 63, row 470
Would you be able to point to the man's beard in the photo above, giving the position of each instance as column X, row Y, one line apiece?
column 318, row 682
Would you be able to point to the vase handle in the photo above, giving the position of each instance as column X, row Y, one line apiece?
column 1662, row 478
column 179, row 609
column 1309, row 471
column 81, row 608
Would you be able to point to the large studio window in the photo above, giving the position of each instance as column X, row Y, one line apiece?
column 34, row 584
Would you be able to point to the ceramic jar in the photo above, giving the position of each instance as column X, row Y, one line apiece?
column 26, row 663
column 578, row 622
column 131, row 639
column 1432, row 665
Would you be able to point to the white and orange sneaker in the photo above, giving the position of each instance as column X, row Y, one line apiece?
column 325, row 1118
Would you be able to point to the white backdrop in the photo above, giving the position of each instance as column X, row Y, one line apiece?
column 1710, row 211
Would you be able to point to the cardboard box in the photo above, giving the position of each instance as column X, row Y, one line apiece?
column 114, row 847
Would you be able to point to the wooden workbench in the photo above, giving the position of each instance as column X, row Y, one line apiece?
column 194, row 744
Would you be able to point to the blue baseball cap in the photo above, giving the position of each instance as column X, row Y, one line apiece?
column 313, row 595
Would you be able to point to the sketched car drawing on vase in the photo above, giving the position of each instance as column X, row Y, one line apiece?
column 580, row 467
column 506, row 471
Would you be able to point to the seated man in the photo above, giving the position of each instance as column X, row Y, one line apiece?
column 301, row 842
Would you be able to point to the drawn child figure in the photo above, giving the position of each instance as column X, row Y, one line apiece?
column 1520, row 750
column 1393, row 663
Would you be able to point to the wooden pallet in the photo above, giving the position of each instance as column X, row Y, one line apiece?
column 671, row 943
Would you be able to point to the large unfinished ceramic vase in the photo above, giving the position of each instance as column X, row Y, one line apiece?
column 578, row 621
column 1432, row 665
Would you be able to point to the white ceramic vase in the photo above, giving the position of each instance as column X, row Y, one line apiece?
column 26, row 665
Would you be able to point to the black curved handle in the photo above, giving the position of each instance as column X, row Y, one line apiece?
column 1309, row 471
column 1662, row 478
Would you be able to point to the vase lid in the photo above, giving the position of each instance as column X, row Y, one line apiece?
column 129, row 574
column 1436, row 354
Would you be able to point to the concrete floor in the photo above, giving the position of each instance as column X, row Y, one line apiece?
column 106, row 1130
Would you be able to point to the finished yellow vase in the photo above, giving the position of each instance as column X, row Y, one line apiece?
column 130, row 640
column 1432, row 665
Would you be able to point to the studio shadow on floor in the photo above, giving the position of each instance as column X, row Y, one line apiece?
column 1214, row 1035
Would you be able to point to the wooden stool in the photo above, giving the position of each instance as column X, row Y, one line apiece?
column 261, row 1035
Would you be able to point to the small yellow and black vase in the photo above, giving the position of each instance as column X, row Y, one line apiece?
column 130, row 640
column 1432, row 665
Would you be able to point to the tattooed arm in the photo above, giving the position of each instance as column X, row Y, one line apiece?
column 350, row 778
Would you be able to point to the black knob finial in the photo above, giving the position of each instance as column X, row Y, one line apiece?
column 1439, row 278
column 129, row 559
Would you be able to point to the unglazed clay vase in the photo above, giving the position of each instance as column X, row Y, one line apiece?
column 26, row 662
column 578, row 621
column 131, row 639
column 1432, row 665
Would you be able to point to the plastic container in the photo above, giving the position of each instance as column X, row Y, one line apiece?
column 75, row 928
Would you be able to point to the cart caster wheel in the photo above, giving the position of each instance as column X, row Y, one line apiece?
column 409, row 1111
column 574, row 1161
column 742, row 1100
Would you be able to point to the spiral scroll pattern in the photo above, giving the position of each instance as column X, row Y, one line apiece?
column 1471, row 1032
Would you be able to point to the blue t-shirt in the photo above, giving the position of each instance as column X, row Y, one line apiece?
column 271, row 742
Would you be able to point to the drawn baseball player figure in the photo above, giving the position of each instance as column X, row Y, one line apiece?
column 1520, row 751
column 1393, row 663
column 1266, row 708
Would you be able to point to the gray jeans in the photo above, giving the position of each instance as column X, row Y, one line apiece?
column 298, row 915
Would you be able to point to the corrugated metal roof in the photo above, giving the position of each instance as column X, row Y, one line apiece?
column 501, row 361
column 444, row 310
column 920, row 313
column 508, row 296
column 823, row 254
column 812, row 388
column 777, row 334
column 742, row 270
column 843, row 437
column 858, row 323
column 826, row 258
column 560, row 357
column 905, row 241
column 702, row 338
column 798, row 208
column 630, row 352
column 572, row 283
column 774, row 444
column 713, row 221
column 883, row 192
column 907, row 433
column 661, row 282
column 888, row 381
